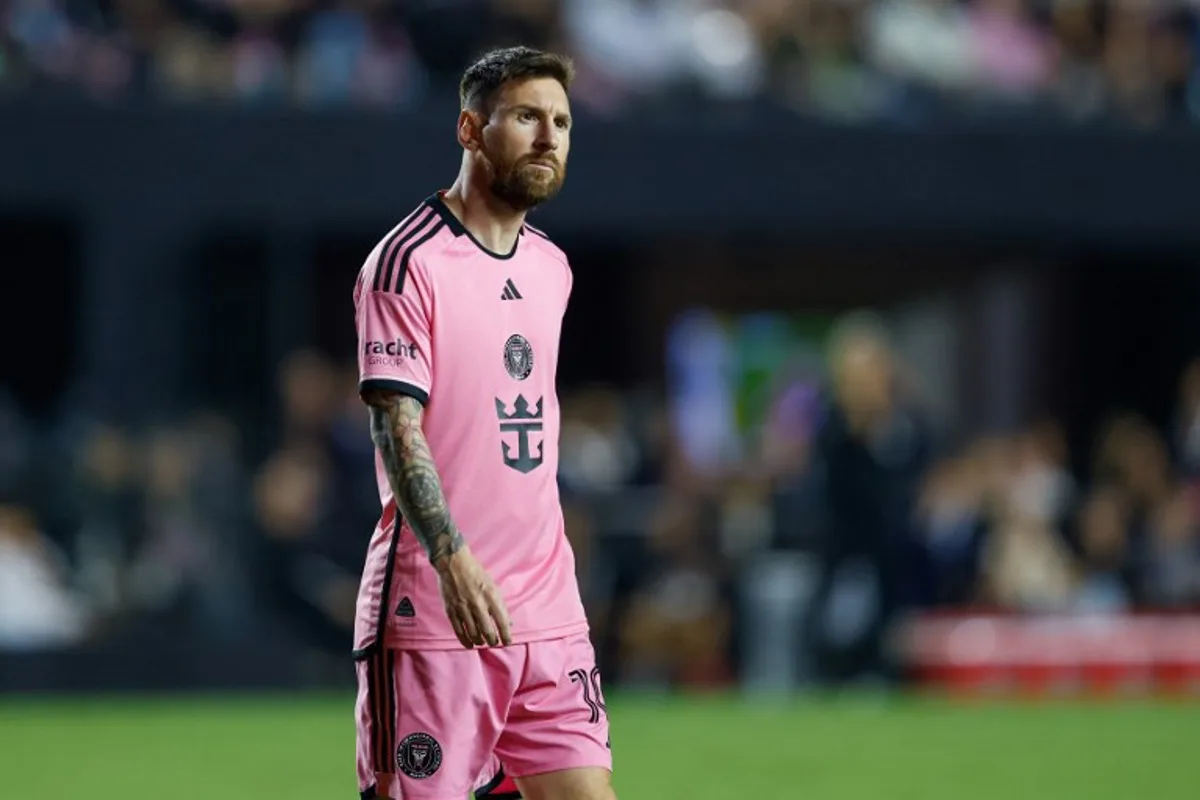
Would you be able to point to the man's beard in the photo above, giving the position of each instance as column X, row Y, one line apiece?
column 521, row 185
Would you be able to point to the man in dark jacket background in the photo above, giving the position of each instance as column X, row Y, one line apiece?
column 871, row 450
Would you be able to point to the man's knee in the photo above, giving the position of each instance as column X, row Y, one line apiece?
column 589, row 783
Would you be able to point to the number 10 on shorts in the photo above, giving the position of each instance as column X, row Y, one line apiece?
column 590, row 682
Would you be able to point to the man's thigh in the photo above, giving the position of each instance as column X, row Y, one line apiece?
column 583, row 783
column 557, row 728
column 427, row 723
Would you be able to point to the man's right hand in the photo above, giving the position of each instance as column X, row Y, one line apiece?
column 472, row 601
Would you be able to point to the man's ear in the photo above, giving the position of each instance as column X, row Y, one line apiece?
column 470, row 129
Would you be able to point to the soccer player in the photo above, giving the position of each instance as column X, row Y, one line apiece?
column 472, row 646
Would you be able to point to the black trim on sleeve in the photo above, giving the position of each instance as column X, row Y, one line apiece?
column 390, row 385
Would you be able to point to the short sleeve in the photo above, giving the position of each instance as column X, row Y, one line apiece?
column 394, row 339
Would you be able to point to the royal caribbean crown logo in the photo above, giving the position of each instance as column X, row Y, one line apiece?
column 522, row 421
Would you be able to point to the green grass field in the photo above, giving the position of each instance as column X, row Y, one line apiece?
column 713, row 749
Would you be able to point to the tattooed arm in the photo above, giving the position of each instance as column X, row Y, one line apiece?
column 472, row 601
column 396, row 431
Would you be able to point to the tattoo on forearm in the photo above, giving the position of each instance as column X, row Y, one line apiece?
column 396, row 431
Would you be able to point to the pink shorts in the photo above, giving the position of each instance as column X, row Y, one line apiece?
column 432, row 723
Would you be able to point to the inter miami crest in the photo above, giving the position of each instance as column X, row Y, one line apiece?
column 518, row 357
column 522, row 421
column 419, row 755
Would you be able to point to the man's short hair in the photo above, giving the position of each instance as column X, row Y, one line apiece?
column 485, row 77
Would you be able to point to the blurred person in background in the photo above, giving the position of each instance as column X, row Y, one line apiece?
column 703, row 434
column 1011, row 52
column 788, row 440
column 599, row 452
column 1103, row 535
column 186, row 565
column 312, row 491
column 38, row 608
column 1133, row 458
column 305, row 590
column 309, row 396
column 590, row 565
column 677, row 628
column 1031, row 496
column 1079, row 86
column 1136, row 529
column 1148, row 61
column 105, row 491
column 1043, row 484
column 1172, row 578
column 873, row 449
column 1164, row 536
column 612, row 468
column 924, row 49
column 435, row 629
column 1026, row 564
column 952, row 523
column 353, row 504
column 1185, row 427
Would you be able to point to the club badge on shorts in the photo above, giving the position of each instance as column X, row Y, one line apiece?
column 419, row 755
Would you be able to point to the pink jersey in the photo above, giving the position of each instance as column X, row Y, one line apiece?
column 474, row 336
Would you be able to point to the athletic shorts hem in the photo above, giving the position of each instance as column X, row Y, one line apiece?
column 579, row 761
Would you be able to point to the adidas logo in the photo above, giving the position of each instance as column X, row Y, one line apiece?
column 405, row 609
column 510, row 291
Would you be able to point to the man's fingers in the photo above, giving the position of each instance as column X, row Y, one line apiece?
column 500, row 615
column 463, row 628
column 460, row 632
column 484, row 621
column 475, row 631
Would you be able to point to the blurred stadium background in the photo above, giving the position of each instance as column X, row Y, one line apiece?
column 881, row 385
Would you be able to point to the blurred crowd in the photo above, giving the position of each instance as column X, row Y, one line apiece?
column 225, row 530
column 1128, row 60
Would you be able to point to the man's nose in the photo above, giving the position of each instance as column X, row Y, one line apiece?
column 548, row 137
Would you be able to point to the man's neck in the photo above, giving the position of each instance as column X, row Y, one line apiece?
column 492, row 222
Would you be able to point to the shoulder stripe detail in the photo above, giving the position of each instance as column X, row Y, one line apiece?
column 402, row 246
column 390, row 242
column 532, row 229
column 403, row 271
